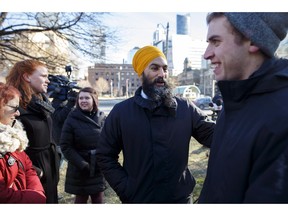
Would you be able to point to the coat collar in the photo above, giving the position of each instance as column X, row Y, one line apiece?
column 153, row 106
column 272, row 75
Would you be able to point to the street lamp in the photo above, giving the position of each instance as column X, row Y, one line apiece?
column 167, row 35
column 166, row 46
column 119, row 80
column 111, row 87
column 127, row 88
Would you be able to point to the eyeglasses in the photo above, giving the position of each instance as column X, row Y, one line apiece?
column 15, row 108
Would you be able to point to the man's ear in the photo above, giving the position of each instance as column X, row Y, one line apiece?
column 253, row 48
column 26, row 77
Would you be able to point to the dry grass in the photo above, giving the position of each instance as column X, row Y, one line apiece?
column 197, row 164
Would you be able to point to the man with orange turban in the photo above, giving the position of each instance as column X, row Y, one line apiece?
column 144, row 56
column 153, row 130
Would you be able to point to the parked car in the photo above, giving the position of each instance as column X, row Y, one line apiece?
column 216, row 109
column 203, row 102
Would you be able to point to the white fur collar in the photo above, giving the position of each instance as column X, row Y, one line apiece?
column 12, row 138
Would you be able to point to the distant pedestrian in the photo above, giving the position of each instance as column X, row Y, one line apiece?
column 153, row 130
column 79, row 137
column 30, row 77
column 248, row 160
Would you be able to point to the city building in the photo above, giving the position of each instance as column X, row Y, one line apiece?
column 122, row 79
column 183, row 24
column 130, row 55
column 180, row 46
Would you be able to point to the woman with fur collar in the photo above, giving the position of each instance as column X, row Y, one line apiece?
column 30, row 77
column 19, row 182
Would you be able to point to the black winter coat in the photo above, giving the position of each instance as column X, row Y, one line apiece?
column 154, row 141
column 249, row 154
column 41, row 149
column 79, row 137
column 62, row 109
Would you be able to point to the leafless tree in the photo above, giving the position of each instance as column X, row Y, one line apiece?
column 82, row 35
column 101, row 85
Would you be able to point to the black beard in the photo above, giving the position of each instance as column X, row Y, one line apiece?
column 162, row 94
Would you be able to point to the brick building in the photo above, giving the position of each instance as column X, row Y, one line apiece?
column 122, row 78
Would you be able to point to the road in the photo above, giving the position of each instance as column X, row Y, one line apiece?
column 106, row 105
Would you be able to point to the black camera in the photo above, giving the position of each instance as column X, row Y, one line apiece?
column 60, row 86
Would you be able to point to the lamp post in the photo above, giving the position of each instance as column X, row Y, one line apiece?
column 127, row 88
column 166, row 39
column 166, row 45
column 119, row 80
column 111, row 87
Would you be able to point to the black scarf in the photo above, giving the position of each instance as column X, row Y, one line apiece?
column 41, row 106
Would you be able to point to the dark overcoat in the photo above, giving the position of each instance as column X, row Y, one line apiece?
column 249, row 154
column 79, row 137
column 41, row 149
column 155, row 142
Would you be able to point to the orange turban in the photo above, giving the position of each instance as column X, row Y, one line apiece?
column 144, row 56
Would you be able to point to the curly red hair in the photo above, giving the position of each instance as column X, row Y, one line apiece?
column 7, row 93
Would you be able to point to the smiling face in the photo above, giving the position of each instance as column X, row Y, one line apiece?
column 229, row 57
column 85, row 101
column 9, row 111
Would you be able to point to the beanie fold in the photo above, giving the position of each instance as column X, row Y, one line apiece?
column 263, row 29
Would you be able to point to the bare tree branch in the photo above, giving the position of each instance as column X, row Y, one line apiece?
column 56, row 38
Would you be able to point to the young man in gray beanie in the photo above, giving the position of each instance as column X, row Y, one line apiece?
column 249, row 153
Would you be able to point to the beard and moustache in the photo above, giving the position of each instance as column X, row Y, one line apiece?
column 162, row 94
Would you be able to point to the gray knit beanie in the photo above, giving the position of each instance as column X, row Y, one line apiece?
column 265, row 30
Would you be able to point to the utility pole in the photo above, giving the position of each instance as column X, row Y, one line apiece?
column 160, row 39
column 119, row 81
column 111, row 87
column 127, row 88
column 166, row 42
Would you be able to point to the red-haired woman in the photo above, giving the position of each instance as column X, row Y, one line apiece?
column 19, row 182
column 30, row 77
